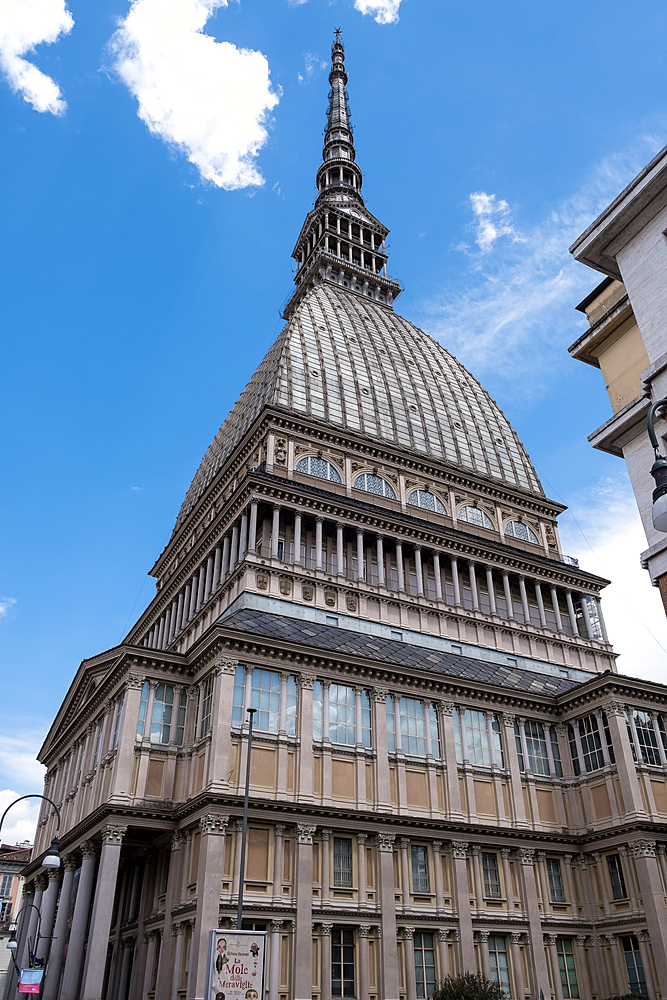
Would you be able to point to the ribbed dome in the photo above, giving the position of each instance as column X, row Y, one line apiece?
column 358, row 366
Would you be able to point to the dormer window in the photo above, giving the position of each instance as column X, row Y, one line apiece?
column 517, row 529
column 427, row 501
column 374, row 484
column 313, row 466
column 473, row 515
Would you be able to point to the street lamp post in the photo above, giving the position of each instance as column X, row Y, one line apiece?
column 658, row 471
column 244, row 835
column 52, row 857
column 13, row 943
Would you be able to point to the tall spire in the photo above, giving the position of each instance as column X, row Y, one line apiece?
column 341, row 241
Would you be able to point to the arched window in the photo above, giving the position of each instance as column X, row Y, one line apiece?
column 517, row 529
column 373, row 484
column 313, row 466
column 473, row 515
column 427, row 501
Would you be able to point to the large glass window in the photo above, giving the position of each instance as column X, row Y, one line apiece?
column 239, row 694
column 342, row 856
column 473, row 515
column 491, row 875
column 567, row 969
column 591, row 744
column 634, row 965
column 427, row 501
column 180, row 721
column 646, row 737
column 471, row 736
column 555, row 875
column 391, row 724
column 143, row 705
column 424, row 964
column 420, row 876
column 413, row 739
column 206, row 702
column 616, row 878
column 265, row 695
column 313, row 466
column 517, row 529
column 374, row 484
column 163, row 704
column 6, row 885
column 119, row 720
column 498, row 963
column 342, row 963
column 341, row 714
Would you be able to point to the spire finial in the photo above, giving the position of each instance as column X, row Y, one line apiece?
column 337, row 33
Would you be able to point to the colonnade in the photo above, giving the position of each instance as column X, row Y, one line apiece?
column 390, row 564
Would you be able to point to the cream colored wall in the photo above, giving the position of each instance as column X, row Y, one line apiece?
column 623, row 358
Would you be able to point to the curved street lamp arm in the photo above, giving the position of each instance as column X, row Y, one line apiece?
column 34, row 795
column 650, row 418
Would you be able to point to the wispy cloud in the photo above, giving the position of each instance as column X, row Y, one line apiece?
column 384, row 11
column 24, row 24
column 312, row 64
column 6, row 604
column 603, row 530
column 21, row 820
column 209, row 99
column 520, row 292
column 19, row 766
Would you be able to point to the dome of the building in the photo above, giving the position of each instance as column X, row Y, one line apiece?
column 356, row 365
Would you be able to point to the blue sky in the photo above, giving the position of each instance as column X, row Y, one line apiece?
column 153, row 183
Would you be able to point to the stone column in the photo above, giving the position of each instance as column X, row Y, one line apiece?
column 531, row 908
column 540, row 603
column 555, row 972
column 100, row 920
column 200, row 586
column 512, row 763
column 77, row 934
column 443, row 953
column 363, row 931
column 124, row 763
column 508, row 596
column 340, row 550
column 33, row 921
column 437, row 573
column 252, row 528
column 275, row 532
column 642, row 939
column 303, row 938
column 455, row 581
column 408, row 934
column 208, row 584
column 382, row 783
column 54, row 966
column 587, row 618
column 477, row 876
column 172, row 897
column 626, row 768
column 406, row 881
column 524, row 600
column 473, row 585
column 380, row 559
column 507, row 879
column 234, row 549
column 221, row 721
column 653, row 898
column 326, row 866
column 555, row 605
column 124, row 979
column 436, row 846
column 401, row 571
column 305, row 791
column 491, row 589
column 209, row 871
column 226, row 547
column 325, row 944
column 278, row 832
column 48, row 912
column 484, row 953
column 177, row 931
column 582, row 967
column 274, row 960
column 361, row 863
column 360, row 554
column 389, row 961
column 419, row 571
column 571, row 612
column 318, row 542
column 194, row 587
column 445, row 711
column 462, row 897
column 517, row 967
column 217, row 566
column 150, row 962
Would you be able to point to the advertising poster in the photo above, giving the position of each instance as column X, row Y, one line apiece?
column 31, row 980
column 236, row 965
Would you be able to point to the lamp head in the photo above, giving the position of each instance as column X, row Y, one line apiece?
column 52, row 857
column 659, row 513
column 12, row 944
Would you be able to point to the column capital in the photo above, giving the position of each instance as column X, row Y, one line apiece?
column 408, row 933
column 88, row 849
column 361, row 839
column 178, row 929
column 305, row 831
column 363, row 930
column 306, row 681
column 325, row 835
column 526, row 856
column 113, row 833
column 70, row 863
column 436, row 846
column 505, row 853
column 540, row 856
column 41, row 882
column 326, row 929
column 276, row 926
column 213, row 823
column 54, row 875
column 385, row 842
column 643, row 849
column 508, row 718
column 279, row 829
column 459, row 849
column 134, row 681
column 445, row 707
column 614, row 708
column 581, row 940
column 176, row 840
column 516, row 937
column 443, row 933
column 226, row 664
column 551, row 940
column 379, row 694
column 405, row 843
column 483, row 936
column 567, row 859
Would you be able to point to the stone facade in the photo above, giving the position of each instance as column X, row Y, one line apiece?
column 447, row 773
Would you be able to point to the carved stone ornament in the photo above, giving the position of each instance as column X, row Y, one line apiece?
column 213, row 823
column 280, row 452
column 307, row 592
column 526, row 856
column 262, row 581
column 614, row 708
column 306, row 681
column 326, row 929
column 643, row 849
column 325, row 835
column 361, row 839
column 442, row 933
column 176, row 840
column 408, row 933
column 113, row 834
column 226, row 663
column 88, row 849
column 483, row 936
column 304, row 832
column 385, row 842
column 508, row 718
column 134, row 681
column 330, row 598
column 581, row 940
column 459, row 849
column 379, row 694
column 516, row 937
column 363, row 930
column 551, row 940
column 436, row 846
column 70, row 863
column 286, row 587
column 351, row 603
column 445, row 707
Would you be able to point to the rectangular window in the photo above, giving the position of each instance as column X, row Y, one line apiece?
column 413, row 739
column 342, row 963
column 537, row 747
column 648, row 743
column 574, row 753
column 420, row 876
column 98, row 744
column 318, row 708
column 391, row 724
column 435, row 734
column 341, row 714
column 472, row 733
column 342, row 857
column 290, row 708
column 591, row 744
column 143, row 704
column 424, row 952
column 556, row 887
column 162, row 711
column 206, row 704
column 237, row 700
column 180, row 721
column 491, row 876
column 265, row 697
column 365, row 720
column 6, row 886
column 615, row 867
column 634, row 965
column 498, row 963
column 119, row 719
column 555, row 751
column 566, row 967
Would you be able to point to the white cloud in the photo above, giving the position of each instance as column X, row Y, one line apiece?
column 24, row 24
column 312, row 64
column 6, row 603
column 520, row 292
column 18, row 754
column 21, row 820
column 608, row 542
column 384, row 11
column 209, row 99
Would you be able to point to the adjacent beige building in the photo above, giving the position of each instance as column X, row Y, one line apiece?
column 447, row 772
column 627, row 335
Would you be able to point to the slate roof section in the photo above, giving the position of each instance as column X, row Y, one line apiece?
column 358, row 366
column 333, row 639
